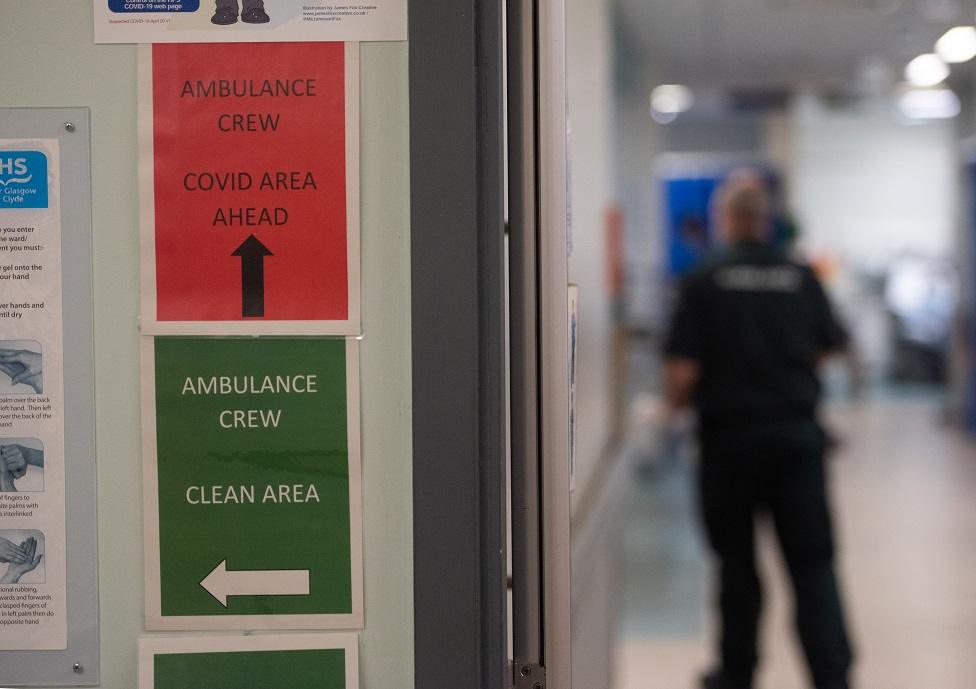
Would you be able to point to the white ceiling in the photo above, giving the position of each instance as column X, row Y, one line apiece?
column 756, row 43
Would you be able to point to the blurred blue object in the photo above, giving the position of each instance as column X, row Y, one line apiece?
column 687, row 187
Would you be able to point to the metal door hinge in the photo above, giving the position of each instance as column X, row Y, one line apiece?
column 529, row 676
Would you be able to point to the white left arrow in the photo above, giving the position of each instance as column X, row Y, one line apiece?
column 222, row 583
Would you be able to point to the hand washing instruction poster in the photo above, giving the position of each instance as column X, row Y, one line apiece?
column 33, row 608
column 252, row 483
column 249, row 158
column 217, row 21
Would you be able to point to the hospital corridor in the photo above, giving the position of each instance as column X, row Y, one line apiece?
column 875, row 193
column 903, row 487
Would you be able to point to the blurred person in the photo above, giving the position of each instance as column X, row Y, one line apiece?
column 745, row 342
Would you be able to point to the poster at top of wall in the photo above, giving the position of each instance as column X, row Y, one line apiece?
column 250, row 189
column 242, row 21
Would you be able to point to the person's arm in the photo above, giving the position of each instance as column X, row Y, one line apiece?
column 685, row 346
column 831, row 336
column 680, row 379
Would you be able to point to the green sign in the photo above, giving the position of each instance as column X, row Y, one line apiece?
column 307, row 661
column 252, row 483
column 265, row 669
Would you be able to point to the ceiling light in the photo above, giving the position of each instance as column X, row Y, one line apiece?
column 669, row 100
column 926, row 70
column 957, row 44
column 929, row 104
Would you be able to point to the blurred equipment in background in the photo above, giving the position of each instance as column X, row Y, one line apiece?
column 921, row 297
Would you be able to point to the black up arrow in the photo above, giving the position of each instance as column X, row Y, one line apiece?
column 252, row 253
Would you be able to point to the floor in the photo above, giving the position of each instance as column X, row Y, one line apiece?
column 905, row 502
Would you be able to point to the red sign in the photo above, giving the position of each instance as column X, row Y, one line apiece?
column 249, row 188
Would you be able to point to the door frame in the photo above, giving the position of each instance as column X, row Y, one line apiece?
column 457, row 283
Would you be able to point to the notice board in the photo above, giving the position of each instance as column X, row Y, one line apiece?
column 48, row 582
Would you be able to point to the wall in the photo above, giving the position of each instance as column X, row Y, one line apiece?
column 866, row 186
column 721, row 133
column 57, row 65
column 589, row 64
column 638, row 142
column 591, row 112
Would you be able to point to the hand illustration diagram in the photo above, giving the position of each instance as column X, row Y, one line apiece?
column 7, row 482
column 17, row 457
column 23, row 366
column 30, row 562
column 12, row 553
column 14, row 460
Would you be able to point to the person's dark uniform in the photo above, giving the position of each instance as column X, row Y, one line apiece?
column 756, row 324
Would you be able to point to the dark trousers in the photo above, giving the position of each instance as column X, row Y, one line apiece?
column 777, row 469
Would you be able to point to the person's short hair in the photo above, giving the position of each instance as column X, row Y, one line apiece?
column 744, row 199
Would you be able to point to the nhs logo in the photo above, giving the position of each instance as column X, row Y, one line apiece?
column 23, row 179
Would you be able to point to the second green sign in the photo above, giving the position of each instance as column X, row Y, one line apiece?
column 252, row 483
